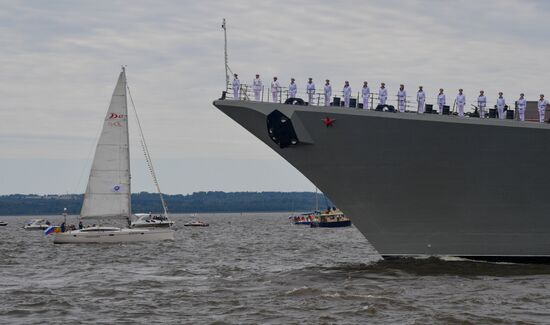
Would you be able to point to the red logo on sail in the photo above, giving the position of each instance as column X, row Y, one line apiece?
column 115, row 116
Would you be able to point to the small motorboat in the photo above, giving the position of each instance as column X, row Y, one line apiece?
column 3, row 223
column 37, row 224
column 331, row 219
column 196, row 224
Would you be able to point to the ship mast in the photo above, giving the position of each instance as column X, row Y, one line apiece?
column 225, row 53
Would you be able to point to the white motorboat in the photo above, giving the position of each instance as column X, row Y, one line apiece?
column 37, row 224
column 196, row 223
column 108, row 195
column 3, row 223
column 148, row 220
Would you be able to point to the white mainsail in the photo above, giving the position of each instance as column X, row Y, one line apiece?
column 108, row 190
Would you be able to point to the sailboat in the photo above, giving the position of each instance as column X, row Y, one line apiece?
column 108, row 193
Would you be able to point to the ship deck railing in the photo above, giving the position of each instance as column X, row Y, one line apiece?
column 356, row 100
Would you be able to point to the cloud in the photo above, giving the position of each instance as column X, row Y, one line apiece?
column 60, row 61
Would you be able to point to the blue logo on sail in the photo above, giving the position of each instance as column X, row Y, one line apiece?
column 117, row 188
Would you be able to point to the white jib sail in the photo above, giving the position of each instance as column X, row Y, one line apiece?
column 108, row 190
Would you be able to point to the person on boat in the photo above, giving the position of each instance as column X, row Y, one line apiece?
column 327, row 92
column 275, row 88
column 366, row 95
column 48, row 222
column 460, row 102
column 522, row 104
column 80, row 225
column 310, row 88
column 236, row 87
column 481, row 103
column 347, row 93
column 441, row 100
column 401, row 98
column 382, row 94
column 501, row 104
column 292, row 89
column 542, row 107
column 421, row 100
column 62, row 227
column 257, row 87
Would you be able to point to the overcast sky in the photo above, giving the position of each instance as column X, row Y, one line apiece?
column 59, row 61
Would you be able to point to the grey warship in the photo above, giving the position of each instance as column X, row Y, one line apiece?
column 419, row 184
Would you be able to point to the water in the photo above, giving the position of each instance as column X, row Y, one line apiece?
column 251, row 269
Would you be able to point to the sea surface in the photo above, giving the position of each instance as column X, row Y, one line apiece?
column 255, row 269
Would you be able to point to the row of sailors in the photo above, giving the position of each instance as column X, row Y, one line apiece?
column 460, row 100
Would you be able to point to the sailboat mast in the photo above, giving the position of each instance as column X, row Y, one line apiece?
column 225, row 55
column 128, row 147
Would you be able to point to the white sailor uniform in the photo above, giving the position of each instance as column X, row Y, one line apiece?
column 328, row 93
column 481, row 104
column 542, row 109
column 441, row 102
column 382, row 96
column 257, row 88
column 292, row 90
column 366, row 96
column 522, row 105
column 310, row 88
column 401, row 100
column 421, row 99
column 347, row 95
column 460, row 103
column 236, row 85
column 275, row 87
column 501, row 104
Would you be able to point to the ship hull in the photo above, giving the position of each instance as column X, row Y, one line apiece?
column 422, row 185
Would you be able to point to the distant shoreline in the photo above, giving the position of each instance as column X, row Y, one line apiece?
column 198, row 202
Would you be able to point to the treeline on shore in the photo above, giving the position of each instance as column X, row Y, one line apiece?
column 30, row 204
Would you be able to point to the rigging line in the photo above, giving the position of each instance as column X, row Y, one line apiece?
column 147, row 155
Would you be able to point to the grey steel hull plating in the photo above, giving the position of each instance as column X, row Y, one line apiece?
column 423, row 184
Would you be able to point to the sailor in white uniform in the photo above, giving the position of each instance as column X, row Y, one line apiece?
column 501, row 104
column 327, row 92
column 366, row 95
column 310, row 89
column 292, row 88
column 542, row 107
column 347, row 93
column 522, row 105
column 236, row 85
column 421, row 100
column 401, row 98
column 275, row 88
column 481, row 103
column 460, row 102
column 257, row 87
column 382, row 94
column 441, row 101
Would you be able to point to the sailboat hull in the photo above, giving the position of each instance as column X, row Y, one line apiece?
column 112, row 236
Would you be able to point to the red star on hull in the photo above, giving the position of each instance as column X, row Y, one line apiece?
column 328, row 121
